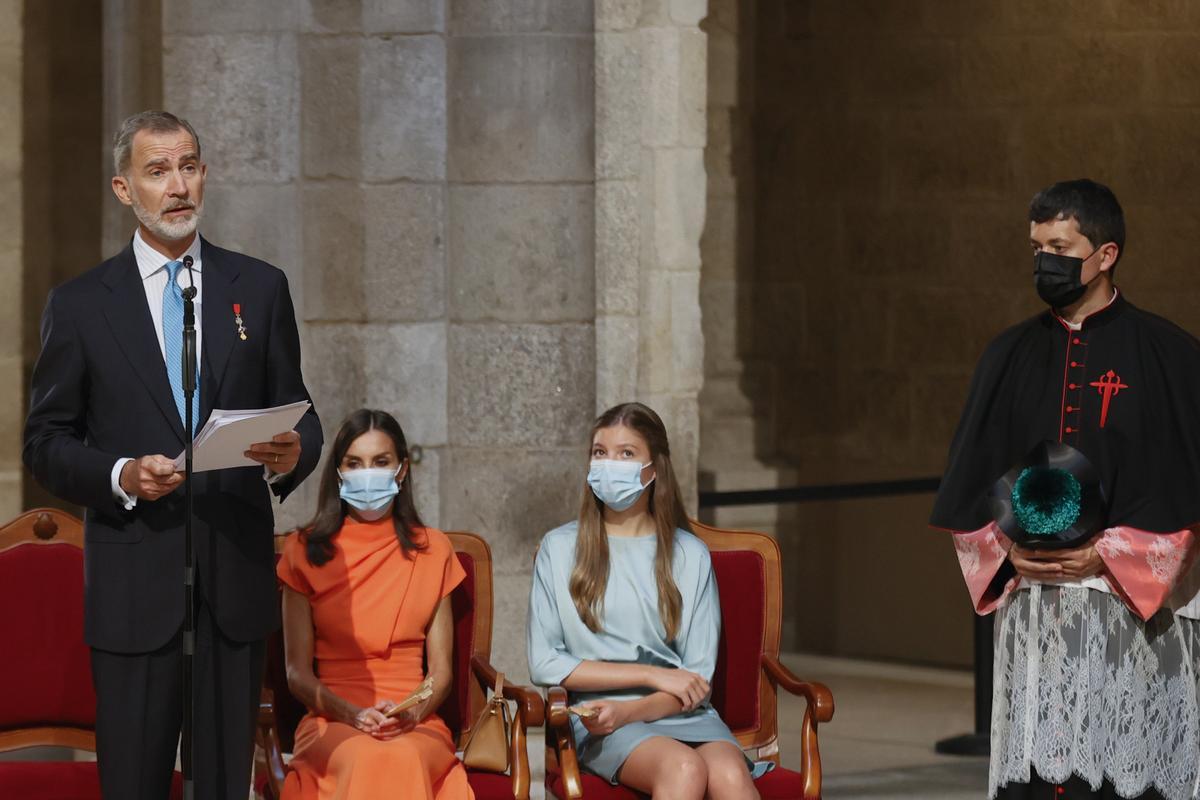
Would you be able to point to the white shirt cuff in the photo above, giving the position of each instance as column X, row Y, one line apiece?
column 276, row 478
column 122, row 499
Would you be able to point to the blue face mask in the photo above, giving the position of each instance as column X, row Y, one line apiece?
column 370, row 491
column 618, row 484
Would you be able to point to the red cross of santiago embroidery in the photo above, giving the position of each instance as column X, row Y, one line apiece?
column 1109, row 385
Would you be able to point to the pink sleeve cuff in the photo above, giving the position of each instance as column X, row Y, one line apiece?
column 982, row 555
column 1144, row 567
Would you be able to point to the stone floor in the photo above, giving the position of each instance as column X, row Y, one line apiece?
column 886, row 720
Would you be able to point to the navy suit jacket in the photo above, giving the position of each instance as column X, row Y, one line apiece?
column 100, row 392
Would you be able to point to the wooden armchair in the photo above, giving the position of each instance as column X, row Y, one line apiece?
column 48, row 698
column 280, row 712
column 744, row 685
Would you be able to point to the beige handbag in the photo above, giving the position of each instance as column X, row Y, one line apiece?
column 487, row 746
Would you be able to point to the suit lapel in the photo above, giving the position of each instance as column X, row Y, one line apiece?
column 129, row 317
column 216, row 315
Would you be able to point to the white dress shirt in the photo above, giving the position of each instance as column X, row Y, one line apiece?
column 152, row 266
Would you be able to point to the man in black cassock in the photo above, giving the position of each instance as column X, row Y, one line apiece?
column 1097, row 646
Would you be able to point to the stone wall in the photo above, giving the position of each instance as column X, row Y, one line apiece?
column 897, row 146
column 423, row 172
column 489, row 212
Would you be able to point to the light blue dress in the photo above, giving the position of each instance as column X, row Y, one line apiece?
column 632, row 632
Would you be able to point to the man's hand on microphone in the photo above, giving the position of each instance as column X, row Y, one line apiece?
column 150, row 477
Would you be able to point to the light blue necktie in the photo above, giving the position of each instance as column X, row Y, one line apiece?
column 172, row 326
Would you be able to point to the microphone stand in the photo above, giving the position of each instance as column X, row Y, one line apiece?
column 187, row 746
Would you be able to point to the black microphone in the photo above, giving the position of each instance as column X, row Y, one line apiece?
column 190, row 292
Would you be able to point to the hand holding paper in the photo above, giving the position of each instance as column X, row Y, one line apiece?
column 280, row 455
column 227, row 437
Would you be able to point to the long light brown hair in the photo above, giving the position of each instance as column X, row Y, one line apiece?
column 589, row 578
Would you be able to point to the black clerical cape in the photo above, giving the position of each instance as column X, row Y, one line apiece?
column 1124, row 390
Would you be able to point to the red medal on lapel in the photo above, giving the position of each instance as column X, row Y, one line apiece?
column 237, row 320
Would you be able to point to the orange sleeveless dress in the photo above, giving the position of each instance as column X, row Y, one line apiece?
column 371, row 604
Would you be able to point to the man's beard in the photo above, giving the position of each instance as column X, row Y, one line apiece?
column 164, row 229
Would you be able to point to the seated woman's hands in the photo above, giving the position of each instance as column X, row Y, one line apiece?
column 690, row 688
column 374, row 720
column 610, row 715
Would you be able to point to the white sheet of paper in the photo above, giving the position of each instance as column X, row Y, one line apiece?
column 228, row 434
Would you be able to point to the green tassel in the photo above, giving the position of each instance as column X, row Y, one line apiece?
column 1046, row 500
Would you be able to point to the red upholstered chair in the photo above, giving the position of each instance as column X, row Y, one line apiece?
column 280, row 712
column 744, row 686
column 48, row 698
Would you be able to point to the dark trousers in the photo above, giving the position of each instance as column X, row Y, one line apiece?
column 139, row 713
column 1074, row 789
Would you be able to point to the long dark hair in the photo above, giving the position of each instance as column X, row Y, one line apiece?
column 589, row 578
column 331, row 510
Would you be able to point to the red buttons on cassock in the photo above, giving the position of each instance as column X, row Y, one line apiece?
column 1070, row 430
column 1071, row 386
column 1069, row 409
column 1073, row 364
column 1075, row 341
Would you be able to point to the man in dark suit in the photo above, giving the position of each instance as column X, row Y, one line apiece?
column 105, row 421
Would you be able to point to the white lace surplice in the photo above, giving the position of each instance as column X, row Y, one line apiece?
column 1083, row 686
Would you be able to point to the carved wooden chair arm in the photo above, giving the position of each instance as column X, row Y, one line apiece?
column 819, row 698
column 528, row 700
column 819, row 709
column 560, row 736
column 268, row 739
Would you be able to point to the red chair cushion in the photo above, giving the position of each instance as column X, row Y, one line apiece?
column 778, row 784
column 41, row 590
column 58, row 780
column 741, row 583
column 488, row 785
column 594, row 788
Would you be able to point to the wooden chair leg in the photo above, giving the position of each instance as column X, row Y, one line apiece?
column 267, row 734
column 558, row 735
column 519, row 760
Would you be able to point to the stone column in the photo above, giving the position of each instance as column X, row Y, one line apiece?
column 132, row 52
column 232, row 70
column 372, row 208
column 13, row 310
column 423, row 172
column 324, row 128
column 521, row 291
column 650, row 205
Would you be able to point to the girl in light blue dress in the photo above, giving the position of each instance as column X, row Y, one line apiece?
column 624, row 614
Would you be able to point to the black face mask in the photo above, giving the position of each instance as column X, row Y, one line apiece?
column 1057, row 277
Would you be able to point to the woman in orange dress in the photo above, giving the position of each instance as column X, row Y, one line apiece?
column 366, row 594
